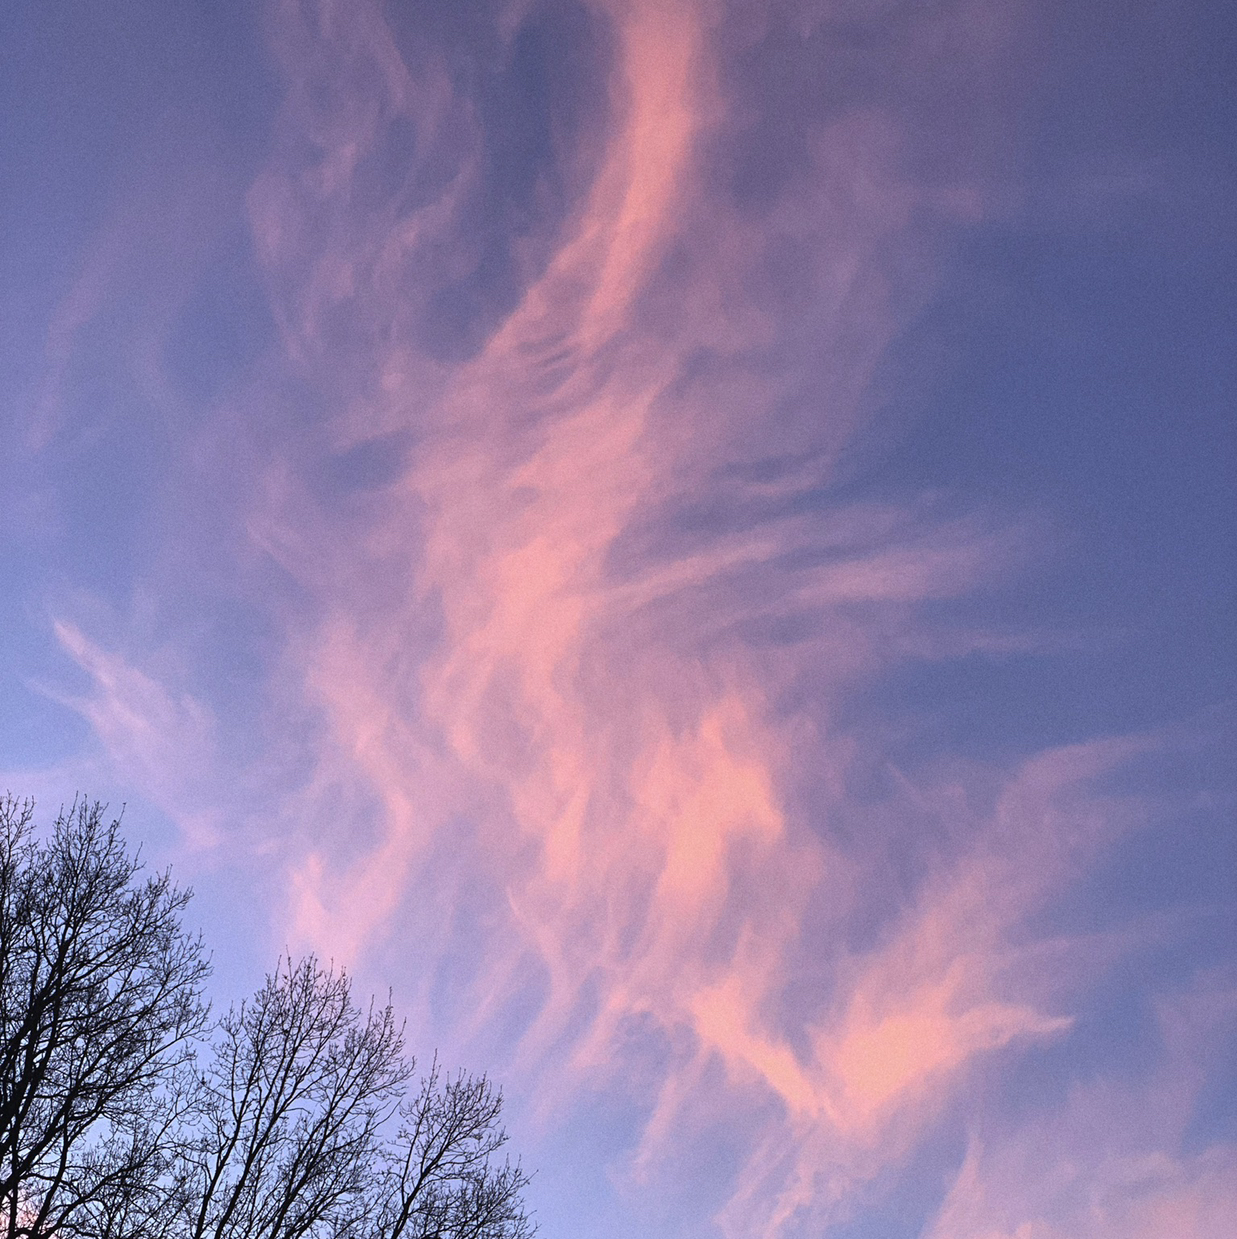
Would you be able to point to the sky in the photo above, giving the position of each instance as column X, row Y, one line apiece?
column 691, row 541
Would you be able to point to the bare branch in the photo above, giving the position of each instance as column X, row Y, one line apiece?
column 299, row 1126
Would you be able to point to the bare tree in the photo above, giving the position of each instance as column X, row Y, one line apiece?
column 293, row 1119
column 294, row 1102
column 306, row 1129
column 443, row 1181
column 99, row 1000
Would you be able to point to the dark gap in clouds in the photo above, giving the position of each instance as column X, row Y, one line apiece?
column 538, row 102
column 690, row 524
column 224, row 326
column 396, row 170
column 1177, row 860
column 894, row 827
column 1083, row 364
column 771, row 470
column 896, row 844
column 460, row 31
column 91, row 95
column 1156, row 907
column 929, row 67
column 106, row 484
column 786, row 86
column 901, row 1200
column 1117, row 1035
column 1113, row 1038
column 1214, row 1119
column 368, row 466
column 1096, row 379
column 1140, row 79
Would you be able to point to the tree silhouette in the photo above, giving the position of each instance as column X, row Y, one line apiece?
column 124, row 1115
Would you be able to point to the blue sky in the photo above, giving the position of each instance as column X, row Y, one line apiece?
column 694, row 542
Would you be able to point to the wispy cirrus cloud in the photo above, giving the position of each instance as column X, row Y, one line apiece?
column 1117, row 1159
column 570, row 617
column 161, row 741
column 539, row 490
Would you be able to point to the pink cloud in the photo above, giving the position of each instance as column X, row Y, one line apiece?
column 159, row 740
column 516, row 668
column 1111, row 1162
column 598, row 720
